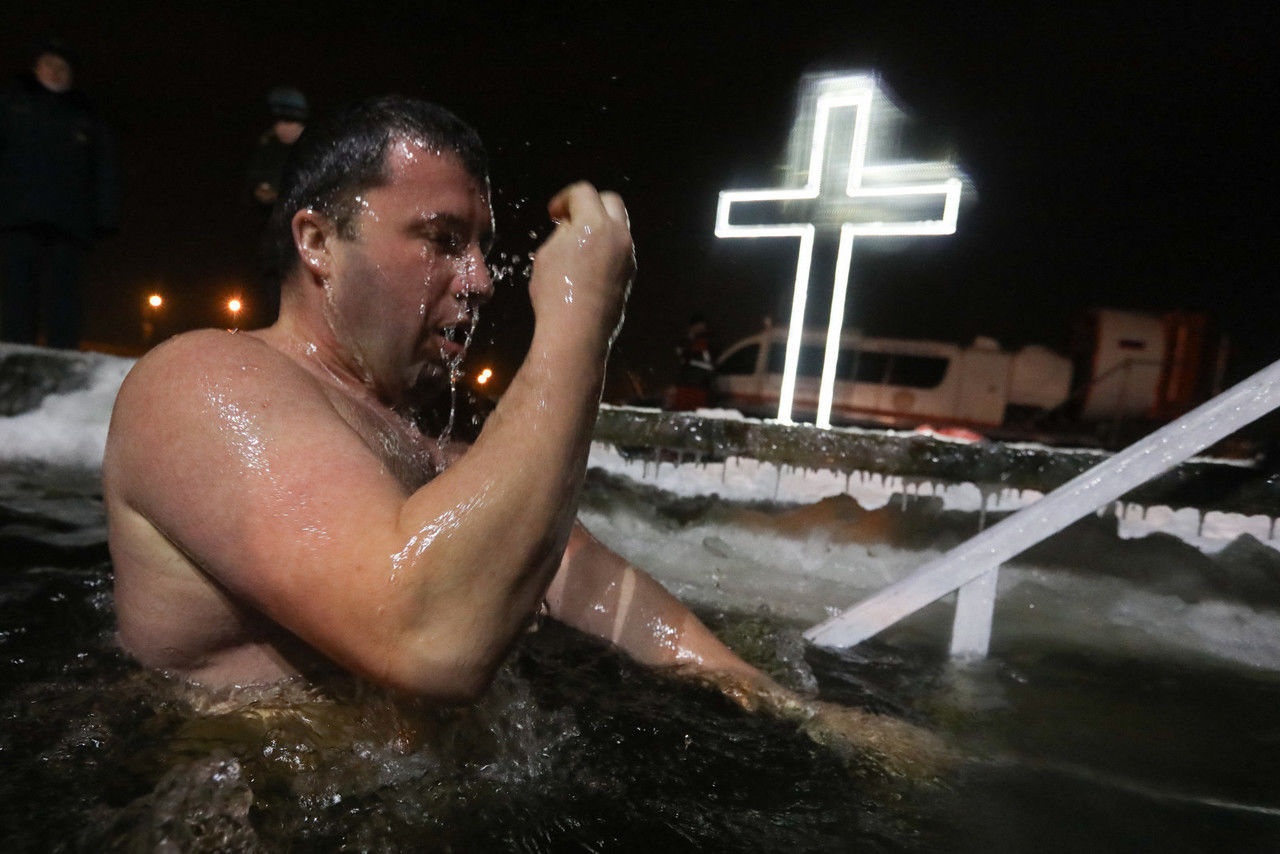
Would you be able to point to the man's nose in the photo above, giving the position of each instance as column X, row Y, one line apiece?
column 474, row 283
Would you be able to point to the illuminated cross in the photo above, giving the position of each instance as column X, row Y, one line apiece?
column 888, row 200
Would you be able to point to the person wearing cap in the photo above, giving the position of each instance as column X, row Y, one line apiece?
column 57, row 193
column 288, row 108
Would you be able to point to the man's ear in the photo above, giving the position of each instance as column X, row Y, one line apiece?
column 313, row 238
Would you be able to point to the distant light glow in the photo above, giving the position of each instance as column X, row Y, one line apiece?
column 155, row 300
column 831, row 100
column 483, row 376
column 234, row 305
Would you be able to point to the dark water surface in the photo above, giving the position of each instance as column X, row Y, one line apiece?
column 575, row 749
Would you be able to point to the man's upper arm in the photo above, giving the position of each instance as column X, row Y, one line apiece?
column 238, row 458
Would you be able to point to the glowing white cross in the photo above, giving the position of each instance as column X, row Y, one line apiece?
column 859, row 210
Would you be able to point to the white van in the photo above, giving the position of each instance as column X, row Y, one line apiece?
column 898, row 382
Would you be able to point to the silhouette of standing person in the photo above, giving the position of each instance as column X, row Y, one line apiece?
column 57, row 193
column 289, row 111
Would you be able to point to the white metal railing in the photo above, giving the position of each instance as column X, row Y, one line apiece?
column 972, row 567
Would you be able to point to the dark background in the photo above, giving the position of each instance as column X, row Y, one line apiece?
column 1119, row 154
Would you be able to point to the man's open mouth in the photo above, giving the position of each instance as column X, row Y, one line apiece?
column 453, row 338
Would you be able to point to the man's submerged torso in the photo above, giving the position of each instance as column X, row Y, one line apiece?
column 174, row 616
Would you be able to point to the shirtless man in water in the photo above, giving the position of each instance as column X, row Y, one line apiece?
column 271, row 503
column 273, row 509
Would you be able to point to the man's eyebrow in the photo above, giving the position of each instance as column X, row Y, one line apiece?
column 457, row 224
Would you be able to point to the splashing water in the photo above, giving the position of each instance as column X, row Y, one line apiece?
column 453, row 364
column 511, row 268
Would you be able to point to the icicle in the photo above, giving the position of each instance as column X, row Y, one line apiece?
column 909, row 485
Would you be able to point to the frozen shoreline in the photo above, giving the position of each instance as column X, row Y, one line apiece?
column 68, row 429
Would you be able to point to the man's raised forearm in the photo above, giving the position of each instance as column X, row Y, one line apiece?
column 483, row 540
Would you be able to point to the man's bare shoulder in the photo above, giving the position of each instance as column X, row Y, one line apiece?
column 200, row 386
column 208, row 356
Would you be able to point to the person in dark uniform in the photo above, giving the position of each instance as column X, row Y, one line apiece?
column 57, row 193
column 289, row 111
column 697, row 367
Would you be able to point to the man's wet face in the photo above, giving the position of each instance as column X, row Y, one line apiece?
column 407, row 288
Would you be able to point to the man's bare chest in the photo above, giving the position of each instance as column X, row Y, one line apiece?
column 412, row 457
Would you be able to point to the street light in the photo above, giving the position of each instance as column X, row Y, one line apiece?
column 234, row 305
column 483, row 376
column 149, row 312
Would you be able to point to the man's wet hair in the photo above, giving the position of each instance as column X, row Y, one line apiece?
column 336, row 160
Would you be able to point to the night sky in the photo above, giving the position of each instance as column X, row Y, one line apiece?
column 1119, row 154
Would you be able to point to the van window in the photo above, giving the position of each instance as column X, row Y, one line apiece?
column 869, row 367
column 810, row 360
column 861, row 366
column 917, row 371
column 740, row 362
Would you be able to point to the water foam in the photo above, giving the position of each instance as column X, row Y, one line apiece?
column 68, row 429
